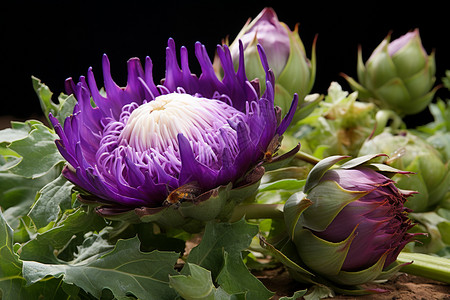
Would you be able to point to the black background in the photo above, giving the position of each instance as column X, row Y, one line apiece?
column 56, row 40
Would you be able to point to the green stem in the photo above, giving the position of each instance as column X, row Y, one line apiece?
column 383, row 116
column 300, row 155
column 429, row 266
column 257, row 211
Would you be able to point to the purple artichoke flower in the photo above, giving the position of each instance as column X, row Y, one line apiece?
column 350, row 223
column 131, row 148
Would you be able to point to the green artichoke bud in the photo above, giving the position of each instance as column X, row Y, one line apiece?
column 412, row 153
column 349, row 223
column 286, row 56
column 338, row 126
column 399, row 75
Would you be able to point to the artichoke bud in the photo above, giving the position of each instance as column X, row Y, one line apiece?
column 286, row 56
column 349, row 223
column 412, row 153
column 399, row 75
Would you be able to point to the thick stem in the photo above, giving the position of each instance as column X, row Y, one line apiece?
column 383, row 116
column 429, row 266
column 306, row 157
column 257, row 211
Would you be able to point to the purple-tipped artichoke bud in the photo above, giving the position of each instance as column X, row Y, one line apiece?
column 171, row 153
column 399, row 75
column 409, row 152
column 349, row 223
column 286, row 56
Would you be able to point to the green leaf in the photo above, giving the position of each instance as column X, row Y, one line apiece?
column 65, row 108
column 125, row 271
column 93, row 246
column 52, row 200
column 18, row 131
column 17, row 194
column 10, row 266
column 319, row 292
column 219, row 237
column 197, row 285
column 38, row 151
column 9, row 135
column 45, row 96
column 62, row 110
column 162, row 241
column 297, row 295
column 236, row 278
column 12, row 284
column 48, row 243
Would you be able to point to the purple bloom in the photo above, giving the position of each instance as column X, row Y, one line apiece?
column 139, row 143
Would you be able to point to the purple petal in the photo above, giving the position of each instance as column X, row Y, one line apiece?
column 288, row 118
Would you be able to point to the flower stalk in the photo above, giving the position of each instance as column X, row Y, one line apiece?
column 257, row 211
column 300, row 155
column 425, row 265
column 382, row 118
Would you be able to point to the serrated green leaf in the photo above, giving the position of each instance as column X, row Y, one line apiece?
column 38, row 151
column 61, row 110
column 11, row 281
column 163, row 242
column 197, row 285
column 45, row 96
column 51, row 201
column 46, row 244
column 43, row 290
column 295, row 296
column 17, row 194
column 222, row 295
column 65, row 108
column 10, row 266
column 94, row 245
column 126, row 271
column 317, row 292
column 219, row 237
column 9, row 135
column 236, row 278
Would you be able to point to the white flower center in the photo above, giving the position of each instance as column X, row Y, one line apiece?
column 156, row 124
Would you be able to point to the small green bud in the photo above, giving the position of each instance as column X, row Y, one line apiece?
column 399, row 75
